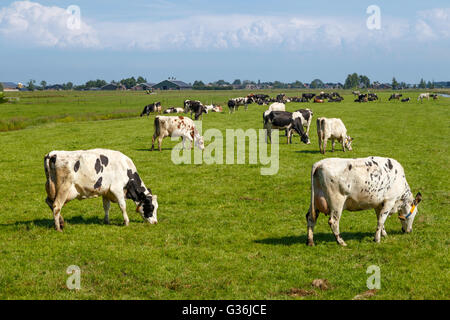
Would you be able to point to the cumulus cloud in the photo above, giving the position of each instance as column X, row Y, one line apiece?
column 47, row 26
column 33, row 23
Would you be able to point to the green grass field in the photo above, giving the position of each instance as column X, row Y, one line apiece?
column 224, row 231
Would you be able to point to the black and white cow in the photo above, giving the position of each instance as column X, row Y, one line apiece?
column 284, row 120
column 92, row 173
column 196, row 107
column 308, row 96
column 339, row 184
column 153, row 107
column 406, row 99
column 173, row 110
column 396, row 96
column 305, row 116
column 233, row 104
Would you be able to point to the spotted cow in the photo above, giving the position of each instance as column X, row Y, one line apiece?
column 92, row 173
column 153, row 107
column 173, row 126
column 334, row 129
column 378, row 183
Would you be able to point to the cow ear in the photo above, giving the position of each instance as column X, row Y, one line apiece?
column 418, row 198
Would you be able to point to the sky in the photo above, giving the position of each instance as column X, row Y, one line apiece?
column 284, row 40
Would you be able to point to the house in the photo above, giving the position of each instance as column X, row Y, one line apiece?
column 143, row 86
column 113, row 86
column 10, row 86
column 56, row 87
column 172, row 85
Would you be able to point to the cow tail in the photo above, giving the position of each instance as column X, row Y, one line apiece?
column 157, row 127
column 50, row 173
column 312, row 207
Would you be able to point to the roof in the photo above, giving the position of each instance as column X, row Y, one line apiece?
column 181, row 84
column 7, row 85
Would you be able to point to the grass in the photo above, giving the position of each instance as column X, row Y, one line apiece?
column 224, row 231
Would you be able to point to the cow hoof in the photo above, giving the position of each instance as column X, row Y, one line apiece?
column 106, row 221
column 310, row 243
column 126, row 223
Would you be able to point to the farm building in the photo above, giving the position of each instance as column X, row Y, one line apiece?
column 113, row 86
column 172, row 85
column 10, row 86
column 143, row 86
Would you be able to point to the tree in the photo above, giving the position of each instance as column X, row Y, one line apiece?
column 69, row 86
column 237, row 82
column 1, row 87
column 43, row 84
column 198, row 84
column 352, row 81
column 394, row 84
column 30, row 85
column 364, row 81
column 422, row 84
column 316, row 83
column 141, row 80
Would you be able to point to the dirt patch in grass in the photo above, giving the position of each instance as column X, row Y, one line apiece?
column 365, row 295
column 322, row 284
column 296, row 292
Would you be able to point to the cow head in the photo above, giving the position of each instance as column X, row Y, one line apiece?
column 200, row 142
column 348, row 143
column 148, row 207
column 409, row 212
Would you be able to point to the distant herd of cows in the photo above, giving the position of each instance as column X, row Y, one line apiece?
column 337, row 184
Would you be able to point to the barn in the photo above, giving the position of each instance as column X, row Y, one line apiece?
column 172, row 85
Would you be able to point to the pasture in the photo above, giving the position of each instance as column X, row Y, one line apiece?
column 224, row 231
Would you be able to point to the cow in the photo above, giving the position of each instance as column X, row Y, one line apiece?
column 176, row 126
column 308, row 96
column 173, row 110
column 406, row 100
column 196, row 107
column 395, row 96
column 318, row 100
column 423, row 96
column 334, row 129
column 356, row 93
column 153, row 107
column 362, row 98
column 92, row 173
column 217, row 109
column 378, row 183
column 284, row 120
column 277, row 106
column 233, row 104
column 305, row 116
column 434, row 96
column 373, row 97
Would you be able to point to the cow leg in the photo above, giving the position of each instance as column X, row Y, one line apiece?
column 335, row 216
column 59, row 202
column 289, row 137
column 123, row 208
column 332, row 144
column 384, row 213
column 324, row 145
column 311, row 223
column 245, row 107
column 160, row 139
column 153, row 143
column 106, row 206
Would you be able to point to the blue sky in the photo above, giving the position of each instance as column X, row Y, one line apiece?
column 212, row 40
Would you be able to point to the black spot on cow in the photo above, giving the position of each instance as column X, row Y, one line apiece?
column 76, row 167
column 395, row 171
column 53, row 159
column 376, row 163
column 98, row 166
column 104, row 160
column 390, row 164
column 349, row 167
column 98, row 184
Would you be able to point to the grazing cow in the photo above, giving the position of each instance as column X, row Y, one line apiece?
column 339, row 184
column 277, row 106
column 434, row 96
column 362, row 98
column 176, row 126
column 308, row 96
column 92, row 173
column 336, row 99
column 194, row 106
column 305, row 116
column 405, row 100
column 153, row 107
column 373, row 97
column 334, row 129
column 423, row 96
column 284, row 120
column 173, row 110
column 356, row 93
column 233, row 104
column 395, row 96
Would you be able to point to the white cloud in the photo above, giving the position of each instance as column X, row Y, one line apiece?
column 36, row 24
column 32, row 23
